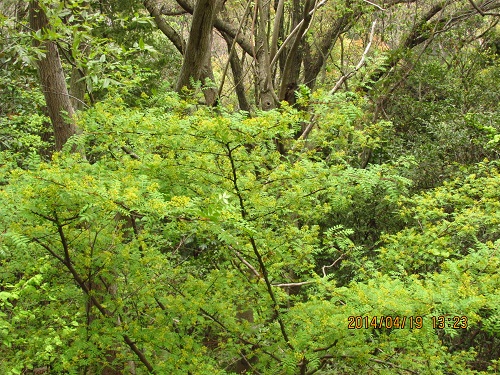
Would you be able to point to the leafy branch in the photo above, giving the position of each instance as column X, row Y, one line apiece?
column 255, row 249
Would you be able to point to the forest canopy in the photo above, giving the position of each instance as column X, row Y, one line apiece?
column 262, row 187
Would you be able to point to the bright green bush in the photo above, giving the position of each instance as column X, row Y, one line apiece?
column 184, row 242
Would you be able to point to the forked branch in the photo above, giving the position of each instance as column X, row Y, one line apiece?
column 361, row 62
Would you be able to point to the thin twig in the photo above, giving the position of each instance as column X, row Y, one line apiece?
column 246, row 263
column 375, row 5
column 361, row 62
column 333, row 264
column 294, row 284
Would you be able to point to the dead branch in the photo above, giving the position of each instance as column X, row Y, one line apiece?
column 361, row 62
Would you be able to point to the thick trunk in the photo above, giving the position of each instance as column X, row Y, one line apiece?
column 53, row 82
column 266, row 95
column 224, row 27
column 208, row 80
column 199, row 44
column 290, row 78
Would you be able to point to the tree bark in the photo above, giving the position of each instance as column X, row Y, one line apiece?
column 314, row 62
column 53, row 81
column 164, row 27
column 267, row 97
column 289, row 80
column 77, row 87
column 237, row 71
column 199, row 44
column 224, row 27
column 207, row 77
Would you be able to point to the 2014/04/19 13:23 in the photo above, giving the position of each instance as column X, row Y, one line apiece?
column 412, row 322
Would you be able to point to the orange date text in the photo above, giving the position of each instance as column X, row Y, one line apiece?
column 398, row 322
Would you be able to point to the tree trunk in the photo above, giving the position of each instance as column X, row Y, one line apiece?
column 208, row 80
column 267, row 97
column 289, row 80
column 53, row 81
column 77, row 87
column 313, row 63
column 199, row 44
column 238, row 78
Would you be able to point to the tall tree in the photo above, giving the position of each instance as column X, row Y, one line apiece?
column 196, row 61
column 52, row 79
column 294, row 57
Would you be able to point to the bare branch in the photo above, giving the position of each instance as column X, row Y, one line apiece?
column 246, row 263
column 285, row 285
column 375, row 5
column 333, row 264
column 169, row 10
column 361, row 62
column 277, row 21
column 130, row 153
column 164, row 27
column 482, row 12
column 308, row 129
column 139, row 354
column 293, row 32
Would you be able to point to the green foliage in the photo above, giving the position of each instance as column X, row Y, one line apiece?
column 178, row 240
column 452, row 243
column 347, row 131
column 24, row 125
column 445, row 110
column 184, row 232
column 445, row 223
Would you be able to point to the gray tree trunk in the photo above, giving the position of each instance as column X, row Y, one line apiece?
column 237, row 70
column 77, row 87
column 290, row 78
column 266, row 94
column 196, row 63
column 53, row 81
